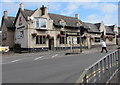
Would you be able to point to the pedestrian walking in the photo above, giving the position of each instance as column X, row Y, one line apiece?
column 104, row 47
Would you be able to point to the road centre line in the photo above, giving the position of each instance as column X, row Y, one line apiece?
column 55, row 55
column 16, row 60
column 38, row 57
column 12, row 61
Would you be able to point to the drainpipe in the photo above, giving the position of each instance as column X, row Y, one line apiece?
column 28, row 38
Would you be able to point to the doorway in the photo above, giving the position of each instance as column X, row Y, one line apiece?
column 51, row 44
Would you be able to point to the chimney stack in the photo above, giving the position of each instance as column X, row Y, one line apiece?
column 22, row 6
column 44, row 10
column 77, row 16
column 5, row 14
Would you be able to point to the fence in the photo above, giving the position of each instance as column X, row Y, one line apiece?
column 102, row 70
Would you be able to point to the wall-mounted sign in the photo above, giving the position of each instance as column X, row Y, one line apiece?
column 20, row 20
column 21, row 27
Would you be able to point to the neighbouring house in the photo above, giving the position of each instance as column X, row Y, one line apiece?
column 7, row 28
column 98, row 31
column 111, row 34
column 38, row 29
column 92, row 35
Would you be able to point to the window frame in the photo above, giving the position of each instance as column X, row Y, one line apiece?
column 41, row 39
column 40, row 21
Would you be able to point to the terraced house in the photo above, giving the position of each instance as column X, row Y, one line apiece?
column 40, row 30
column 95, row 32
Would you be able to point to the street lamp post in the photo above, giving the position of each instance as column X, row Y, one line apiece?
column 79, row 25
column 80, row 40
column 63, row 24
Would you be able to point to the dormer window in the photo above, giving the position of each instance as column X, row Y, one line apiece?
column 79, row 24
column 62, row 22
column 40, row 23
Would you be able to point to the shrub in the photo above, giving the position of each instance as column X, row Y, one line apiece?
column 17, row 48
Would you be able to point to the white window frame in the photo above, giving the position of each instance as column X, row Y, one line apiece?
column 40, row 21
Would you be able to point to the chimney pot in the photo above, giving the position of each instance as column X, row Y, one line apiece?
column 44, row 10
column 77, row 16
column 22, row 6
column 5, row 14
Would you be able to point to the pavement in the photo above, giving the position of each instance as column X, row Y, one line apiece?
column 48, row 67
column 115, row 78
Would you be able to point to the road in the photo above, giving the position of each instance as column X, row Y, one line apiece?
column 48, row 67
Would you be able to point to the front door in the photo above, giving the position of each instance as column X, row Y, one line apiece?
column 51, row 44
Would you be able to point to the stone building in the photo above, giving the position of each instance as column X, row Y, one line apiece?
column 96, row 32
column 40, row 30
column 7, row 28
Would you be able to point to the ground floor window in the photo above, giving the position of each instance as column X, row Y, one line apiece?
column 63, row 40
column 78, row 40
column 97, row 39
column 40, row 40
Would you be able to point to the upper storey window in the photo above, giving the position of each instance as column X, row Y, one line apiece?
column 62, row 22
column 40, row 23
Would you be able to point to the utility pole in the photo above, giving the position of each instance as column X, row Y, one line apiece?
column 63, row 25
column 80, row 39
column 80, row 44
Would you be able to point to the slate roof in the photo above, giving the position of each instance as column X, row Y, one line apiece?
column 109, row 30
column 112, row 27
column 27, row 13
column 91, row 27
column 70, row 21
column 98, row 25
column 9, row 22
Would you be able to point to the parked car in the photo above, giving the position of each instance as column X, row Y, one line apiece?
column 4, row 49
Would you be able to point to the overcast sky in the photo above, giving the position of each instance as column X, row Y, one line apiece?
column 92, row 12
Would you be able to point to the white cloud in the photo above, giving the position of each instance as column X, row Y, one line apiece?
column 60, row 0
column 70, row 9
column 108, row 12
column 93, row 18
column 107, row 19
column 11, row 7
column 103, row 7
column 108, row 7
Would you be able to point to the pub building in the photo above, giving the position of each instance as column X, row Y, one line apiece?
column 40, row 30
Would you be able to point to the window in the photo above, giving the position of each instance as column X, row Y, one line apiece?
column 37, row 23
column 21, row 34
column 40, row 23
column 63, row 40
column 78, row 40
column 40, row 40
column 97, row 39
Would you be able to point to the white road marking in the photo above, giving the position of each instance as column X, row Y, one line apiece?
column 7, row 63
column 38, row 57
column 12, row 61
column 55, row 55
column 16, row 60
